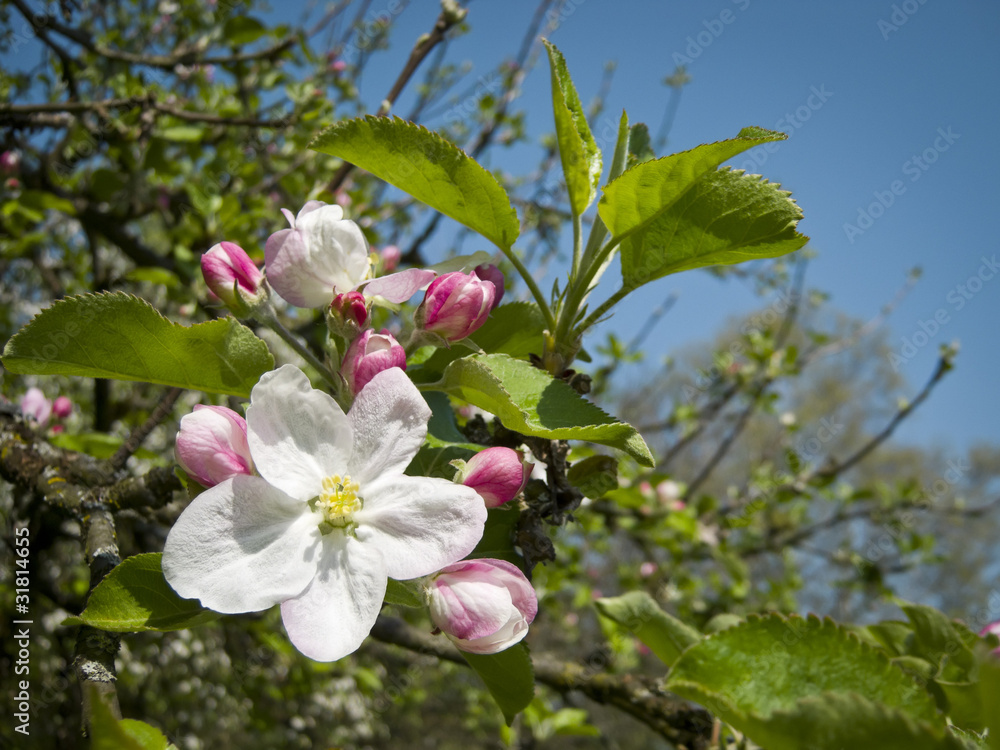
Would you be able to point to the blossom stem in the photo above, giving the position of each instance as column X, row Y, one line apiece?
column 268, row 318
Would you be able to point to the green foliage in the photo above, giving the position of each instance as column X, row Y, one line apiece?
column 429, row 168
column 135, row 597
column 785, row 681
column 122, row 337
column 531, row 402
column 724, row 217
column 581, row 158
column 508, row 676
column 404, row 593
column 108, row 733
column 666, row 636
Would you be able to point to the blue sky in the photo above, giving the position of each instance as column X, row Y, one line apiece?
column 891, row 104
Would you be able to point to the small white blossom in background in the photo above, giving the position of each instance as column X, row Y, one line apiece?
column 329, row 519
column 484, row 606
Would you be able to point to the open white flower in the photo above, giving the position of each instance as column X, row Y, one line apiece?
column 330, row 517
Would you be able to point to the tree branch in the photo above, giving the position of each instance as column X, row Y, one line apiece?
column 638, row 696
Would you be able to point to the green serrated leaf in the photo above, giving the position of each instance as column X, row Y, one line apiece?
column 429, row 168
column 644, row 192
column 404, row 593
column 530, row 401
column 725, row 217
column 118, row 336
column 581, row 158
column 834, row 721
column 664, row 634
column 508, row 676
column 781, row 679
column 940, row 640
column 135, row 597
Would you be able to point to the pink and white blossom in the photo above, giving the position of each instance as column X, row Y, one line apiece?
column 321, row 255
column 484, row 606
column 368, row 355
column 498, row 474
column 329, row 519
column 36, row 406
column 456, row 305
column 212, row 445
column 232, row 276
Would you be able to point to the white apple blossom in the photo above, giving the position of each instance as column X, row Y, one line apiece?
column 330, row 517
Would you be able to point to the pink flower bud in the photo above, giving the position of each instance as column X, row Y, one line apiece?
column 483, row 606
column 390, row 256
column 497, row 474
column 212, row 445
column 10, row 162
column 489, row 272
column 62, row 407
column 338, row 66
column 350, row 308
column 35, row 405
column 232, row 276
column 368, row 355
column 456, row 305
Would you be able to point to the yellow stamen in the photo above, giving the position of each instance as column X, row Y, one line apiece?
column 339, row 500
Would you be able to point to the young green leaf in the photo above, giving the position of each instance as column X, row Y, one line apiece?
column 122, row 337
column 581, row 158
column 508, row 676
column 135, row 597
column 404, row 593
column 782, row 680
column 499, row 536
column 647, row 190
column 725, row 217
column 532, row 402
column 665, row 635
column 108, row 733
column 429, row 168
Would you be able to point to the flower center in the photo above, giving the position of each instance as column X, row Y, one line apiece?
column 339, row 501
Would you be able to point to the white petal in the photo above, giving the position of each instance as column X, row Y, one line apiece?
column 337, row 250
column 420, row 524
column 331, row 618
column 389, row 418
column 511, row 633
column 242, row 546
column 290, row 271
column 298, row 435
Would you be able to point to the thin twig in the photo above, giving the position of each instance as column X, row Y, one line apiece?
column 140, row 433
